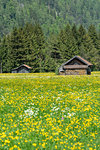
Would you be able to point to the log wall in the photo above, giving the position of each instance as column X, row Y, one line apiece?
column 76, row 72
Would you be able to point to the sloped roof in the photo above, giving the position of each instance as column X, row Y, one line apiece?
column 75, row 57
column 23, row 65
column 81, row 59
column 85, row 61
column 27, row 66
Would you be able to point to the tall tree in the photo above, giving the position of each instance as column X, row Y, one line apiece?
column 5, row 55
column 52, row 53
column 81, row 33
column 29, row 45
column 75, row 31
column 96, row 42
column 68, row 46
column 88, row 50
column 94, row 36
column 17, row 47
column 39, row 45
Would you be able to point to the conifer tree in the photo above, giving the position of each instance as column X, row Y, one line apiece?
column 88, row 51
column 39, row 45
column 18, row 53
column 0, row 50
column 94, row 36
column 14, row 47
column 8, row 62
column 68, row 46
column 5, row 51
column 21, row 53
column 0, row 56
column 29, row 45
column 96, row 42
column 75, row 32
column 52, row 53
column 81, row 33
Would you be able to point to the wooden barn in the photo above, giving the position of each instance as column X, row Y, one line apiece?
column 22, row 69
column 75, row 66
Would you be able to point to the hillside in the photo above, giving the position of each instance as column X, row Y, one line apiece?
column 52, row 15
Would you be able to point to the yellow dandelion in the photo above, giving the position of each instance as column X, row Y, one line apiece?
column 43, row 145
column 34, row 144
column 55, row 146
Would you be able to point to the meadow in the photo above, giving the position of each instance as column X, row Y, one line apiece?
column 47, row 112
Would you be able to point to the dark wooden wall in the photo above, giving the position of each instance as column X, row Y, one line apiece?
column 75, row 61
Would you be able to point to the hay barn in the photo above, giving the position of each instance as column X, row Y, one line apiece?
column 22, row 69
column 75, row 66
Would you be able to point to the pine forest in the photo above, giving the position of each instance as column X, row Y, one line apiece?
column 46, row 33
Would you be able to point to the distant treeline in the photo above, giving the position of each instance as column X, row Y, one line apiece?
column 52, row 15
column 28, row 45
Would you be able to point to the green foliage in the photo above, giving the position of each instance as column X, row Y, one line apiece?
column 68, row 46
column 29, row 46
column 52, row 15
column 57, row 69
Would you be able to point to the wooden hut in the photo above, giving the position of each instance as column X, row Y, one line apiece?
column 75, row 66
column 22, row 69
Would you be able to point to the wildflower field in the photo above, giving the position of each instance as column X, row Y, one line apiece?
column 47, row 112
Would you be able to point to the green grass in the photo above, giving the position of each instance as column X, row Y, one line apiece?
column 48, row 111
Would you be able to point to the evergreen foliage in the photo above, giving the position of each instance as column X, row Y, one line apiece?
column 52, row 15
column 68, row 46
column 28, row 45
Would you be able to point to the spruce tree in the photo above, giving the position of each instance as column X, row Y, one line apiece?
column 14, row 44
column 88, row 51
column 52, row 53
column 27, row 39
column 68, row 45
column 0, row 50
column 81, row 33
column 5, row 51
column 75, row 32
column 18, row 53
column 39, row 45
column 0, row 56
column 96, row 42
column 93, row 35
